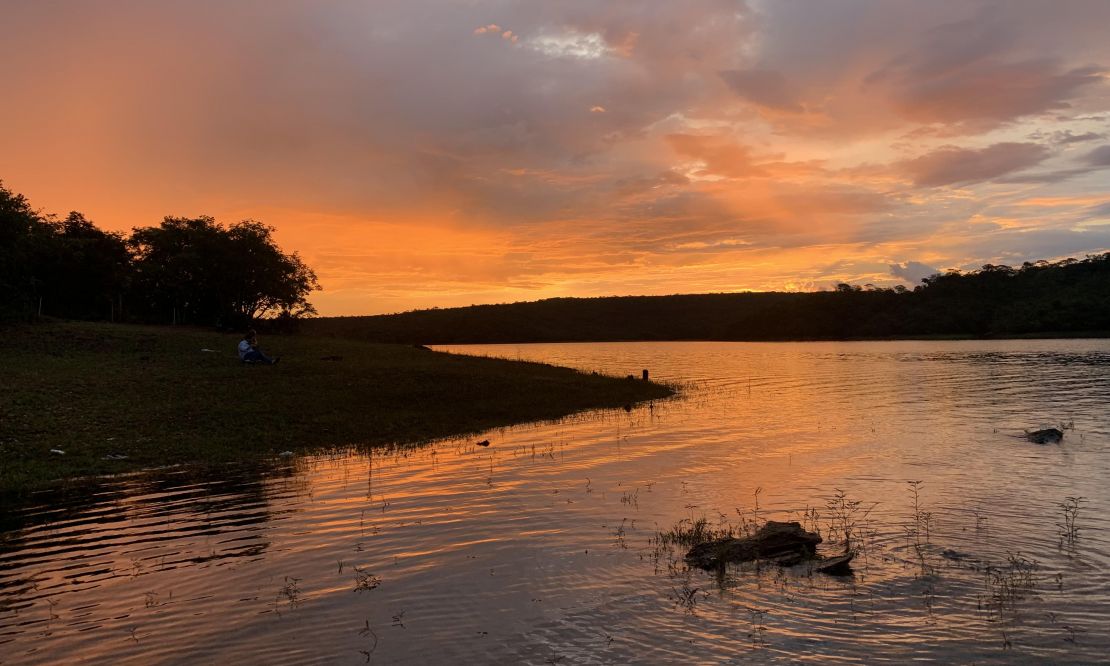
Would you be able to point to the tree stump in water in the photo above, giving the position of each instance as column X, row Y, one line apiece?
column 783, row 543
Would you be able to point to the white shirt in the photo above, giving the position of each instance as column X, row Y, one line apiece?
column 244, row 347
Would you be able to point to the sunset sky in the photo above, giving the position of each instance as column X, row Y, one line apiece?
column 423, row 154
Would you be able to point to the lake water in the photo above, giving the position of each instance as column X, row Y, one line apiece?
column 541, row 548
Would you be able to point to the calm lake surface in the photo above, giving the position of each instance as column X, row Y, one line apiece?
column 541, row 548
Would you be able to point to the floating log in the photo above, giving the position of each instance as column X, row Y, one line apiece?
column 785, row 543
column 835, row 566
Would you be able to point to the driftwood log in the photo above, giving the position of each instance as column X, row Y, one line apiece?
column 785, row 544
column 840, row 565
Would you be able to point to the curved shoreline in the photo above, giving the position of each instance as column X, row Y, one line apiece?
column 117, row 398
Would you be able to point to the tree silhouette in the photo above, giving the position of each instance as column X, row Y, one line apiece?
column 186, row 270
column 17, row 223
column 87, row 270
column 194, row 270
column 1068, row 297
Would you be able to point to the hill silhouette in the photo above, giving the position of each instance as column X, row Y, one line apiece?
column 1064, row 298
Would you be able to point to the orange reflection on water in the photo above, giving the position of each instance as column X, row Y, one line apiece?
column 548, row 537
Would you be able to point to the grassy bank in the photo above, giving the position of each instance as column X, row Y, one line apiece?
column 99, row 392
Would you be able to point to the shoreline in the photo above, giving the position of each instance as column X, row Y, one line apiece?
column 1083, row 335
column 116, row 398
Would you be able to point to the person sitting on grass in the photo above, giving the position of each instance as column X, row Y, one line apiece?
column 249, row 351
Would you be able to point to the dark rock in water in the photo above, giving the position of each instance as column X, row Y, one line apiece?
column 835, row 566
column 484, row 442
column 1046, row 436
column 783, row 543
column 954, row 555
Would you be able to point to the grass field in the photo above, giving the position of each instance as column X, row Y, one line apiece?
column 116, row 398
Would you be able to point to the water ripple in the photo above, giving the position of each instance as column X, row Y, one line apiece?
column 541, row 548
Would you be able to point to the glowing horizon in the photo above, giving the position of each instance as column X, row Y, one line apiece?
column 421, row 154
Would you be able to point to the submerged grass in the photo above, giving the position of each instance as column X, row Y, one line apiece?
column 113, row 398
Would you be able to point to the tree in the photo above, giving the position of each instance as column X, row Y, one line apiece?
column 17, row 222
column 67, row 268
column 86, row 270
column 194, row 270
column 266, row 280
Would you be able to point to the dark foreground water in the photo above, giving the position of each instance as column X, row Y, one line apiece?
column 541, row 548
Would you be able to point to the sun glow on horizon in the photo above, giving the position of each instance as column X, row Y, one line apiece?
column 508, row 153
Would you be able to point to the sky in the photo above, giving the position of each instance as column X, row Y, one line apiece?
column 421, row 154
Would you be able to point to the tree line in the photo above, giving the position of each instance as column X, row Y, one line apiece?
column 1066, row 298
column 183, row 271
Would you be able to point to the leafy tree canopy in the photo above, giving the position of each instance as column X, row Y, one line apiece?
column 185, row 270
column 199, row 271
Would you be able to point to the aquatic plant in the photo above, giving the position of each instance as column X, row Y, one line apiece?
column 758, row 627
column 689, row 533
column 291, row 591
column 1008, row 584
column 1069, row 530
column 367, row 630
column 365, row 581
column 920, row 523
column 685, row 597
column 845, row 517
column 631, row 497
column 810, row 518
column 619, row 534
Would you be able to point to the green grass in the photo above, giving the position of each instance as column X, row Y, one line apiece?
column 151, row 394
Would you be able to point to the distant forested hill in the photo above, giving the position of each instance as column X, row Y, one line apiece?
column 1069, row 297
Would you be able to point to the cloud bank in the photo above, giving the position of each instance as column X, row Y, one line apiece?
column 421, row 153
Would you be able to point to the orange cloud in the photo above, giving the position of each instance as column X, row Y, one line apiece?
column 646, row 147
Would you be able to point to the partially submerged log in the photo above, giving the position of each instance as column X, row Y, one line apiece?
column 783, row 543
column 836, row 566
column 1046, row 436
